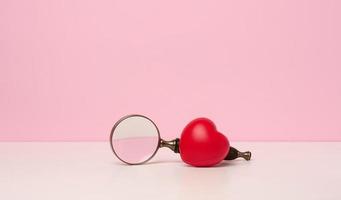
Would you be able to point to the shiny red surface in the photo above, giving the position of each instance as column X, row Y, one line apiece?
column 202, row 145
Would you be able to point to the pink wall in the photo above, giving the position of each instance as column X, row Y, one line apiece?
column 262, row 70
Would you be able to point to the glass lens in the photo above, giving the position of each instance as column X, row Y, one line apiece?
column 135, row 139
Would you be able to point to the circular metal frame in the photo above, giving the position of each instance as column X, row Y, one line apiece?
column 112, row 134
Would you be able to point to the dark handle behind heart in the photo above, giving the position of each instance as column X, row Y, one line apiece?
column 232, row 154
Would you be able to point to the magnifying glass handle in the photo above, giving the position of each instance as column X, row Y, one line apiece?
column 172, row 144
column 234, row 154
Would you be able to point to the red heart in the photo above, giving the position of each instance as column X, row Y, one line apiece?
column 202, row 145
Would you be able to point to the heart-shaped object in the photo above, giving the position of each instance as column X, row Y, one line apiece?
column 202, row 145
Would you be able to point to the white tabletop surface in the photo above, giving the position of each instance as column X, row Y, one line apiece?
column 89, row 170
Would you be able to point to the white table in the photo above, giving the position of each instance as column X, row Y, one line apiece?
column 89, row 170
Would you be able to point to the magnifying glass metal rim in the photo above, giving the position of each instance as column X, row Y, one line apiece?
column 112, row 135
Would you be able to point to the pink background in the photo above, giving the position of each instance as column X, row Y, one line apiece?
column 262, row 70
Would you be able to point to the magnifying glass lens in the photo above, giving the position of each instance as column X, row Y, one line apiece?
column 135, row 139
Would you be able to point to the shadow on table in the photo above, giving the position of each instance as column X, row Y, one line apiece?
column 220, row 165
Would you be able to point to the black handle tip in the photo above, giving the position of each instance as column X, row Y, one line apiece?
column 234, row 154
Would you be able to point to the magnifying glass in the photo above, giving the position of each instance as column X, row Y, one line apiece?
column 135, row 139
